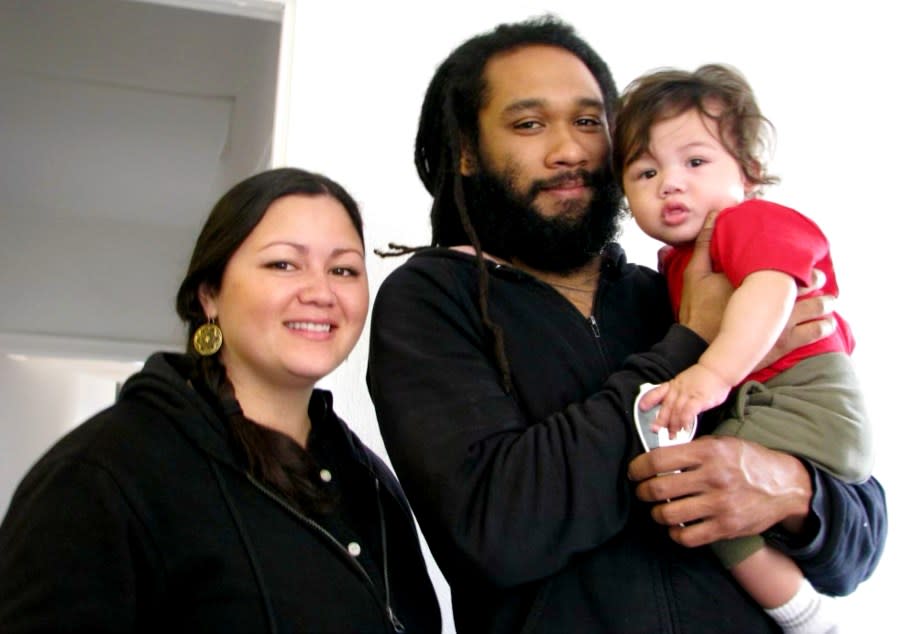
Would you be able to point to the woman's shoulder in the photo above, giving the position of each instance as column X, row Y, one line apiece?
column 112, row 442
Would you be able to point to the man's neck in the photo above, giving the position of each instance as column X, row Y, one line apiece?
column 578, row 286
column 584, row 276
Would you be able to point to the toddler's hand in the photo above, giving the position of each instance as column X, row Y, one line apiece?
column 692, row 392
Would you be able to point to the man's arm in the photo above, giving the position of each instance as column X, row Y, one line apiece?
column 843, row 536
column 497, row 493
column 729, row 488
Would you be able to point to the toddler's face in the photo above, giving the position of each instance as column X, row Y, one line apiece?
column 685, row 174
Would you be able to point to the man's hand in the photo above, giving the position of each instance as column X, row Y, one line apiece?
column 704, row 294
column 812, row 319
column 726, row 488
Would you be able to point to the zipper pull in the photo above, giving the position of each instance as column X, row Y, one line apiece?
column 398, row 626
column 595, row 327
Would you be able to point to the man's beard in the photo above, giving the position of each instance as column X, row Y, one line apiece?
column 509, row 225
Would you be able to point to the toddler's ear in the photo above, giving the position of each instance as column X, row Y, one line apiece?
column 751, row 190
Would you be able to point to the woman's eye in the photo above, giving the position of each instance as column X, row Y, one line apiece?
column 280, row 265
column 696, row 162
column 646, row 174
column 345, row 271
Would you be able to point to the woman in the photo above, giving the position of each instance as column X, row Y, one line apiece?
column 221, row 492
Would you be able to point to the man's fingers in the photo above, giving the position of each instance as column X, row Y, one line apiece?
column 700, row 261
column 695, row 534
column 726, row 488
column 810, row 308
column 705, row 235
column 813, row 330
column 811, row 319
column 663, row 460
column 817, row 281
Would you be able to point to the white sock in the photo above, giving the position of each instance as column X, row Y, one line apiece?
column 807, row 612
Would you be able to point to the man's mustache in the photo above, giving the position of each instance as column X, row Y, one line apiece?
column 579, row 177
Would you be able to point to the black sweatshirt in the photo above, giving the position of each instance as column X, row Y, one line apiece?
column 142, row 519
column 523, row 497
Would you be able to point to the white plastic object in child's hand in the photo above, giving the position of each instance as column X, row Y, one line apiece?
column 643, row 421
column 651, row 439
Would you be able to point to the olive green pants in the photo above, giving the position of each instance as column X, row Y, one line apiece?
column 813, row 410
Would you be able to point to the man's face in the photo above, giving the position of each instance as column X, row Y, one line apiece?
column 542, row 127
column 539, row 182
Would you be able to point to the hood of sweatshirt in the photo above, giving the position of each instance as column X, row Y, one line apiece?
column 164, row 384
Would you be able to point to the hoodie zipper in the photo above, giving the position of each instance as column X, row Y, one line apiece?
column 394, row 621
column 595, row 327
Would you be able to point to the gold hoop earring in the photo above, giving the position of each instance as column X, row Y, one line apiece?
column 208, row 339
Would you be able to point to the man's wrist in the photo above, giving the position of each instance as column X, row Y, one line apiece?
column 681, row 347
column 798, row 491
column 703, row 327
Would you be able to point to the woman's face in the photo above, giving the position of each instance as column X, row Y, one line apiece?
column 294, row 296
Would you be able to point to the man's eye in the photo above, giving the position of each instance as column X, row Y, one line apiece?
column 588, row 122
column 527, row 125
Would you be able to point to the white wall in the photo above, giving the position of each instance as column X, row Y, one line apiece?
column 113, row 280
column 822, row 73
column 43, row 398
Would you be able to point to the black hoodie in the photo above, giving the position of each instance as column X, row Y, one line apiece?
column 523, row 496
column 142, row 519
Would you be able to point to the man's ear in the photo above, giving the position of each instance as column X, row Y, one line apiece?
column 468, row 163
column 208, row 300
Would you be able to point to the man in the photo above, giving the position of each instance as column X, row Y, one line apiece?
column 504, row 371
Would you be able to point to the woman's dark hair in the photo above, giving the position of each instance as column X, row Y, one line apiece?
column 715, row 91
column 449, row 121
column 271, row 456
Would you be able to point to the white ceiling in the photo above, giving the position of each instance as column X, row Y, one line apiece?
column 121, row 123
column 127, row 110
